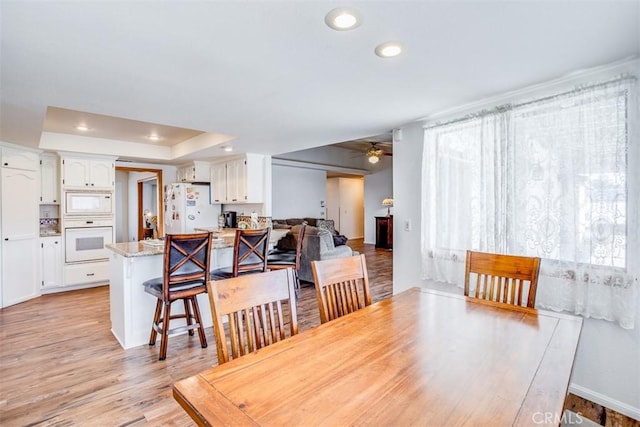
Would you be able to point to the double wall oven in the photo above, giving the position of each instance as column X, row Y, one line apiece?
column 88, row 226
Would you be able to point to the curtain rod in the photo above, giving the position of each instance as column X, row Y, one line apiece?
column 509, row 106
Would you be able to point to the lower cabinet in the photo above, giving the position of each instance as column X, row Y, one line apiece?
column 19, row 270
column 85, row 273
column 52, row 262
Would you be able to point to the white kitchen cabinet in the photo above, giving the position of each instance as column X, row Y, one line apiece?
column 244, row 180
column 87, row 272
column 51, row 261
column 20, row 232
column 218, row 183
column 20, row 159
column 49, row 179
column 236, row 181
column 196, row 171
column 88, row 173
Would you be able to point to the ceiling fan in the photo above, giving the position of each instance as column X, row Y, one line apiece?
column 374, row 154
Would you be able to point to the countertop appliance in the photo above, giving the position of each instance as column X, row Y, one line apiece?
column 187, row 206
column 230, row 219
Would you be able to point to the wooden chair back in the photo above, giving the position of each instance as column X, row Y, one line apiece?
column 342, row 286
column 250, row 250
column 187, row 258
column 301, row 231
column 253, row 305
column 502, row 278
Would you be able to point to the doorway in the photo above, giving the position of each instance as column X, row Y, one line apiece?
column 148, row 208
column 138, row 189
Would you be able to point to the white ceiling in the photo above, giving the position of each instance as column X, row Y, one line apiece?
column 272, row 76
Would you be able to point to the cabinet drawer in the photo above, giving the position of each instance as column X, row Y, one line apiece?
column 91, row 272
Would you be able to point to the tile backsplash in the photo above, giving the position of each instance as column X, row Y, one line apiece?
column 48, row 225
column 263, row 221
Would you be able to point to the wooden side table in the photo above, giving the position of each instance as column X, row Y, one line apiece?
column 384, row 232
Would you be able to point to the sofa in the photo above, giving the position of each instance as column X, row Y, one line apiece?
column 319, row 242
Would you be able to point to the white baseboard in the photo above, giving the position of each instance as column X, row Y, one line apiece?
column 601, row 399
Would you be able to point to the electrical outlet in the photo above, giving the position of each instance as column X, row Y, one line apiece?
column 407, row 225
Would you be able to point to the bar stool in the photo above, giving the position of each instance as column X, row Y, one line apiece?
column 186, row 271
column 249, row 254
column 278, row 260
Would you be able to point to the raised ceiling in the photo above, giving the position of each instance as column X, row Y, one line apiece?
column 271, row 77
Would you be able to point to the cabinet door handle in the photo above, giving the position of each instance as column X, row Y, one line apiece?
column 55, row 243
column 91, row 274
column 6, row 239
column 86, row 183
column 92, row 184
column 6, row 164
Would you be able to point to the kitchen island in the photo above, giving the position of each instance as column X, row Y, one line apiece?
column 132, row 309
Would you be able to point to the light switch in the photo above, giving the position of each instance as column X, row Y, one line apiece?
column 407, row 225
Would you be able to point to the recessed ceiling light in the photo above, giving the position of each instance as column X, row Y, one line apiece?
column 343, row 18
column 389, row 49
column 154, row 137
column 82, row 128
column 227, row 148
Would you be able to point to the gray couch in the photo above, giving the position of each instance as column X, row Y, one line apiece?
column 318, row 243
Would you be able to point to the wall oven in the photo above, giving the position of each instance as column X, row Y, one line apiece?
column 88, row 203
column 85, row 239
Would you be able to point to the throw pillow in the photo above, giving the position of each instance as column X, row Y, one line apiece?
column 327, row 224
column 340, row 240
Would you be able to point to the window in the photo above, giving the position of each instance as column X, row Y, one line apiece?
column 548, row 178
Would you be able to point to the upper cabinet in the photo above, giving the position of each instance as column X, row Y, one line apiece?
column 82, row 172
column 195, row 171
column 218, row 183
column 49, row 179
column 238, row 180
column 20, row 159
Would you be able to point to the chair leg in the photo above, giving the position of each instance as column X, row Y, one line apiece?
column 156, row 319
column 196, row 312
column 165, row 331
column 187, row 314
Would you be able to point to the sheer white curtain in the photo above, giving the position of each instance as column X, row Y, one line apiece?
column 557, row 178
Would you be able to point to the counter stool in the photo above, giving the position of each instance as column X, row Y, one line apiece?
column 249, row 254
column 186, row 271
column 279, row 260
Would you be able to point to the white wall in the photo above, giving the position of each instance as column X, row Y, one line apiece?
column 297, row 192
column 607, row 365
column 377, row 186
column 345, row 205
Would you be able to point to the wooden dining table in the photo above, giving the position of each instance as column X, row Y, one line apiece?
column 421, row 357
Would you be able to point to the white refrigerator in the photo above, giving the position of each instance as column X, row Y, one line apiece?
column 187, row 206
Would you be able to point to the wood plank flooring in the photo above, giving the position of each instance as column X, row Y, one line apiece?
column 60, row 364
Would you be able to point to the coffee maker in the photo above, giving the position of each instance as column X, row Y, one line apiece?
column 230, row 220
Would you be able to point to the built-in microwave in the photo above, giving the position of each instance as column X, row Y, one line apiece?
column 88, row 203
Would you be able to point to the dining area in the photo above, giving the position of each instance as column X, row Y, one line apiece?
column 418, row 357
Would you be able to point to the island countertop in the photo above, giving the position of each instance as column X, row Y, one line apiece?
column 140, row 249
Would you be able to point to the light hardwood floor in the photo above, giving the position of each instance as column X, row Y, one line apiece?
column 60, row 364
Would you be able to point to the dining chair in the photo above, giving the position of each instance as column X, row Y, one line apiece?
column 278, row 260
column 253, row 307
column 342, row 286
column 249, row 254
column 186, row 271
column 502, row 278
